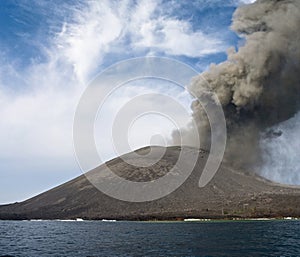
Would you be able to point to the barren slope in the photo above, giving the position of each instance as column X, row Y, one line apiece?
column 229, row 194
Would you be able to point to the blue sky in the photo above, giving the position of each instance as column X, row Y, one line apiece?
column 50, row 50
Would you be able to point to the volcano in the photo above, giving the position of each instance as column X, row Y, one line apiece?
column 230, row 194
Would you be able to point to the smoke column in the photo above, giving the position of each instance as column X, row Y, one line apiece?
column 259, row 85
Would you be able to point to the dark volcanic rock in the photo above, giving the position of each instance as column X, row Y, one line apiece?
column 229, row 194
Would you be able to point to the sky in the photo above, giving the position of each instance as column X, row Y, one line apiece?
column 51, row 50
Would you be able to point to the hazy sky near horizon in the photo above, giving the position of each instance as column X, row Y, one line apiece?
column 50, row 50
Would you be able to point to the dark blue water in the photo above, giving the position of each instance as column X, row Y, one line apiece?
column 96, row 238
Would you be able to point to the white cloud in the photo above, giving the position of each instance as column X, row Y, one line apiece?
column 247, row 1
column 36, row 131
column 103, row 27
column 176, row 37
column 130, row 98
column 281, row 154
column 84, row 42
column 170, row 35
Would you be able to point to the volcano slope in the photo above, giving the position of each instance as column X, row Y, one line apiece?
column 229, row 194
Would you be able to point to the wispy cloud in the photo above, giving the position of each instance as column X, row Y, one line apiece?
column 247, row 1
column 137, row 28
column 170, row 35
column 85, row 42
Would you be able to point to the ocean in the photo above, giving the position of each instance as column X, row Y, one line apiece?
column 98, row 238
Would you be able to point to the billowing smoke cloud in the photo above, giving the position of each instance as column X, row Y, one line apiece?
column 258, row 86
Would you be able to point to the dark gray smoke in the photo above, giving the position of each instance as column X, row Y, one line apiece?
column 259, row 85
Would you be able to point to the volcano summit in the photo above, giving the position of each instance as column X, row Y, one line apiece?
column 230, row 194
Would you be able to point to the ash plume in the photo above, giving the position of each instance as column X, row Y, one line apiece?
column 259, row 84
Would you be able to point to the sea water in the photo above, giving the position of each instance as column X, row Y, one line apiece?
column 97, row 238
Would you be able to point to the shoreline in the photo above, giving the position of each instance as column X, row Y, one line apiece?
column 189, row 220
